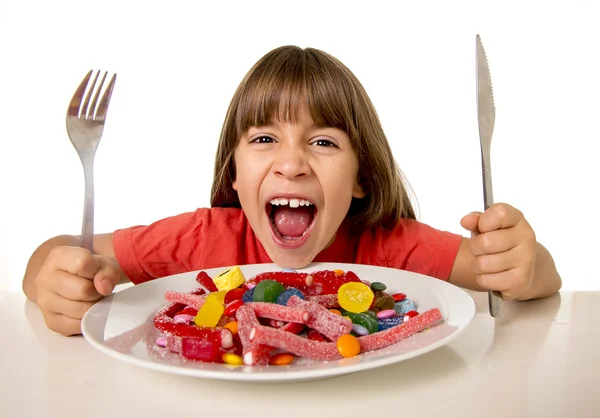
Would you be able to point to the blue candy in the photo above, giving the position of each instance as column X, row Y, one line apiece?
column 248, row 295
column 283, row 297
column 404, row 306
column 389, row 322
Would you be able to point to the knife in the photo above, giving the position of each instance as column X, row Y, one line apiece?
column 486, row 116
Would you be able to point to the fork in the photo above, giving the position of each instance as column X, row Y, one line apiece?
column 85, row 124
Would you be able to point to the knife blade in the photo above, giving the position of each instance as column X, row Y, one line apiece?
column 486, row 117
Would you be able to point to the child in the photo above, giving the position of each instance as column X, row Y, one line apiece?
column 303, row 173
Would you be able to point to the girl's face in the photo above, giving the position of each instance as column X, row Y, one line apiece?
column 295, row 183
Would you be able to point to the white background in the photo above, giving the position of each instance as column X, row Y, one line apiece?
column 178, row 64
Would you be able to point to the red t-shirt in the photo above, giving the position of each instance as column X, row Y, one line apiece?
column 221, row 237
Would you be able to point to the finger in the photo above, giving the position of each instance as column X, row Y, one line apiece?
column 63, row 324
column 494, row 242
column 75, row 260
column 107, row 277
column 74, row 287
column 53, row 302
column 510, row 282
column 497, row 263
column 469, row 222
column 498, row 216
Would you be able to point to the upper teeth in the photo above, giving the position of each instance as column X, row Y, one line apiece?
column 294, row 203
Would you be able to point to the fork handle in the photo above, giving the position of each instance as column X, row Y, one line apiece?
column 87, row 227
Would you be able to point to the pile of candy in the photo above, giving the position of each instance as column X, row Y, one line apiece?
column 276, row 316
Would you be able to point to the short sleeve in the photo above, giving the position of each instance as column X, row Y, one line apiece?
column 417, row 247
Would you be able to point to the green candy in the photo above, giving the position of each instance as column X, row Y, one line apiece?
column 364, row 319
column 267, row 291
column 378, row 286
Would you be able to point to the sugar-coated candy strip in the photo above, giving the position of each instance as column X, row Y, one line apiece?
column 189, row 299
column 205, row 280
column 294, row 344
column 328, row 301
column 279, row 312
column 206, row 349
column 327, row 323
column 395, row 334
column 253, row 353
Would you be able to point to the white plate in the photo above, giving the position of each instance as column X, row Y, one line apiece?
column 121, row 326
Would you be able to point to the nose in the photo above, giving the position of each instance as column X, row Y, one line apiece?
column 291, row 162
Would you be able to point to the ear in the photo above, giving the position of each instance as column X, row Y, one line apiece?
column 234, row 185
column 358, row 191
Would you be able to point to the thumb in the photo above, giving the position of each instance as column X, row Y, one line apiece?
column 470, row 222
column 108, row 276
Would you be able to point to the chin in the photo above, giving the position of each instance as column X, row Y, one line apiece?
column 292, row 261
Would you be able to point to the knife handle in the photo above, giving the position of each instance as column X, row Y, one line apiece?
column 494, row 296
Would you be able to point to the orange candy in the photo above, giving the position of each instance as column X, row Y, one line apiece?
column 335, row 311
column 281, row 359
column 339, row 272
column 348, row 345
column 232, row 326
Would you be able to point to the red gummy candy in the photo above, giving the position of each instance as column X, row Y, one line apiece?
column 315, row 336
column 327, row 301
column 399, row 332
column 293, row 327
column 205, row 280
column 205, row 349
column 324, row 282
column 188, row 310
column 235, row 294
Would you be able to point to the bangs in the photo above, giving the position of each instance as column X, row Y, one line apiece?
column 285, row 81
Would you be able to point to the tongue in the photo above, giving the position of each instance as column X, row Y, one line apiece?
column 292, row 222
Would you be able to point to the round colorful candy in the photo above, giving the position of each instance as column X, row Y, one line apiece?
column 355, row 297
column 248, row 295
column 267, row 291
column 378, row 286
column 348, row 345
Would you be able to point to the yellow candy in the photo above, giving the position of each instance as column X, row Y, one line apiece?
column 232, row 359
column 210, row 313
column 355, row 297
column 230, row 279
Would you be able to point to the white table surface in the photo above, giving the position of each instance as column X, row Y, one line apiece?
column 541, row 359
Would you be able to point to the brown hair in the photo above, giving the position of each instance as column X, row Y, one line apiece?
column 276, row 87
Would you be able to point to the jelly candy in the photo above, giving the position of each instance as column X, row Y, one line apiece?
column 355, row 297
column 230, row 279
column 235, row 294
column 399, row 296
column 348, row 345
column 206, row 349
column 212, row 310
column 283, row 298
column 204, row 280
column 232, row 307
column 320, row 319
column 267, row 291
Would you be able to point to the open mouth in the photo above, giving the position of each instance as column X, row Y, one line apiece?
column 291, row 220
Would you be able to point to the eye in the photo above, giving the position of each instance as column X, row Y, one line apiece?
column 262, row 139
column 322, row 142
